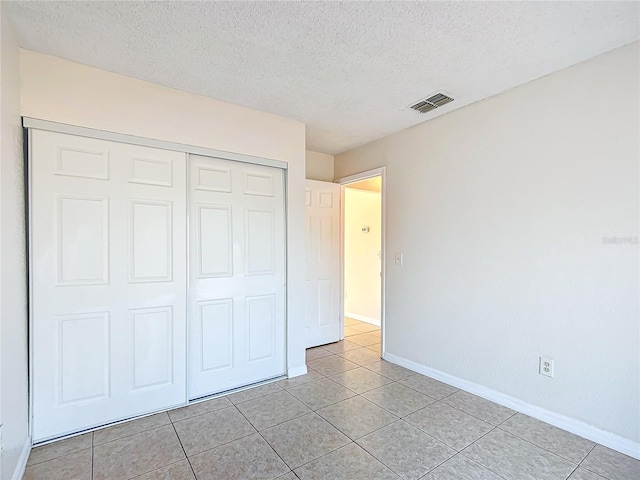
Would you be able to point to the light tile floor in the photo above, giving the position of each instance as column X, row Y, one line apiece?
column 351, row 417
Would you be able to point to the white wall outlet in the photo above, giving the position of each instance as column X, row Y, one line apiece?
column 399, row 259
column 546, row 366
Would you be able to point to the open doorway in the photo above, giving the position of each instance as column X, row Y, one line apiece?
column 363, row 259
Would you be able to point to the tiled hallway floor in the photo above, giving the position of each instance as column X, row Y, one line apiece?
column 351, row 417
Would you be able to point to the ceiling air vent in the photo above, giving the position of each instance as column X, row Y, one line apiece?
column 431, row 103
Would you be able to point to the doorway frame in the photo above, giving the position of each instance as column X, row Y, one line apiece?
column 344, row 182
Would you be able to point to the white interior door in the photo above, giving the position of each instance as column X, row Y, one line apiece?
column 108, row 276
column 237, row 274
column 323, row 262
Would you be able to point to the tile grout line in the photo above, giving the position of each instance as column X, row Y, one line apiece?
column 587, row 468
column 478, row 463
column 183, row 450
column 457, row 452
column 92, row 455
column 543, row 448
column 201, row 414
column 389, row 467
column 324, row 454
column 441, row 400
column 155, row 427
column 461, row 452
column 470, row 414
column 159, row 468
column 212, row 448
column 267, row 442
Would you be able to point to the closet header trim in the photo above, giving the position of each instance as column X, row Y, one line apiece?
column 37, row 124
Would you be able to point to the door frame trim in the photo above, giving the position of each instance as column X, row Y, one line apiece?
column 38, row 124
column 344, row 181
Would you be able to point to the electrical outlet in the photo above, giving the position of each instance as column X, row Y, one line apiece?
column 546, row 367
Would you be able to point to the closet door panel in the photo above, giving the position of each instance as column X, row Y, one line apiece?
column 108, row 274
column 237, row 275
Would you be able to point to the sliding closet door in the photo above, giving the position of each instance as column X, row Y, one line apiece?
column 108, row 274
column 237, row 274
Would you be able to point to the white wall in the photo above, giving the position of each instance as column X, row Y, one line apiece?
column 319, row 166
column 500, row 209
column 67, row 92
column 13, row 282
column 361, row 261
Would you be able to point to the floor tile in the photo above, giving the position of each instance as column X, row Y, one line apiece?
column 515, row 459
column 460, row 468
column 376, row 347
column 355, row 417
column 611, row 464
column 317, row 352
column 210, row 430
column 584, row 474
column 398, row 399
column 560, row 442
column 332, row 365
column 361, row 356
column 341, row 346
column 321, row 393
column 349, row 331
column 390, row 370
column 479, row 407
column 255, row 392
column 449, row 425
column 130, row 428
column 199, row 408
column 360, row 380
column 136, row 454
column 363, row 327
column 59, row 448
column 76, row 465
column 348, row 463
column 310, row 376
column 350, row 321
column 406, row 450
column 247, row 458
column 429, row 386
column 176, row 471
column 365, row 339
column 304, row 439
column 270, row 410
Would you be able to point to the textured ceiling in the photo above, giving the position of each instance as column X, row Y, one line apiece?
column 346, row 69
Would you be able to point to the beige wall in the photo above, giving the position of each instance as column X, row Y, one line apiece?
column 67, row 92
column 361, row 255
column 13, row 283
column 319, row 166
column 501, row 209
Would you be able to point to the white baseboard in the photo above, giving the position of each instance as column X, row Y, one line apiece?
column 297, row 371
column 362, row 318
column 22, row 461
column 577, row 427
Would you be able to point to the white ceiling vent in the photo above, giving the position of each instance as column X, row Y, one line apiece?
column 431, row 103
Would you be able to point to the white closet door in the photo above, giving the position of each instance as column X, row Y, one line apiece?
column 237, row 274
column 322, row 209
column 108, row 274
